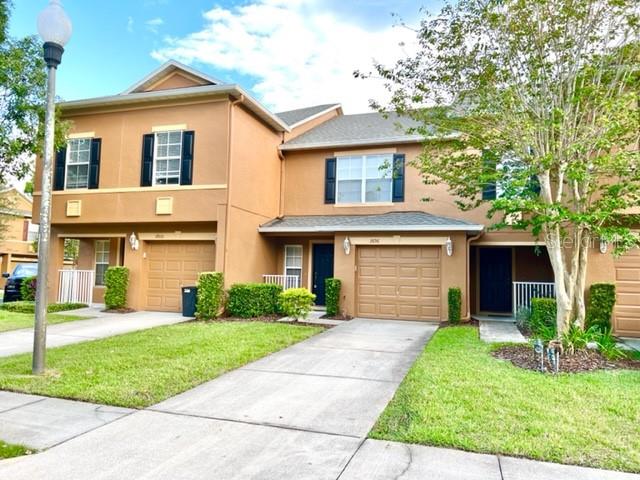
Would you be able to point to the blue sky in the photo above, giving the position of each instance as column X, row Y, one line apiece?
column 288, row 53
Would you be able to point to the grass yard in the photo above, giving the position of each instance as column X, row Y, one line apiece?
column 8, row 450
column 457, row 395
column 14, row 321
column 142, row 368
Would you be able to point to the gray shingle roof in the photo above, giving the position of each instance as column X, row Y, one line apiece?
column 391, row 221
column 291, row 117
column 360, row 129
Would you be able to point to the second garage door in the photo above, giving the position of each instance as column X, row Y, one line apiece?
column 171, row 265
column 627, row 309
column 399, row 282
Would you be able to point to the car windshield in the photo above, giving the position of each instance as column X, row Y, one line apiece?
column 25, row 270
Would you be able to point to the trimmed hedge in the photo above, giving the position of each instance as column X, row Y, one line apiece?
column 543, row 317
column 210, row 296
column 28, row 288
column 602, row 298
column 30, row 307
column 454, row 298
column 296, row 302
column 116, row 279
column 248, row 300
column 332, row 296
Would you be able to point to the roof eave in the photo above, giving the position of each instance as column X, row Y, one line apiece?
column 472, row 228
column 351, row 143
column 336, row 106
column 165, row 66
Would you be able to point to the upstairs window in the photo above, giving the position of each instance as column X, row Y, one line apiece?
column 77, row 162
column 102, row 260
column 167, row 158
column 364, row 178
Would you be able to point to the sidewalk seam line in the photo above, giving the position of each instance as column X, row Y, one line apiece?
column 316, row 375
column 22, row 405
column 351, row 457
column 500, row 467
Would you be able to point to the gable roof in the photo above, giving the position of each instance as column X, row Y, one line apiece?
column 360, row 129
column 293, row 118
column 385, row 222
column 165, row 70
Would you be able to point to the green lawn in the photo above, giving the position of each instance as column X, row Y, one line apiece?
column 8, row 450
column 14, row 321
column 457, row 395
column 142, row 368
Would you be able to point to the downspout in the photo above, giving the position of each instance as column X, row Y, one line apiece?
column 227, row 221
column 282, row 181
column 467, row 317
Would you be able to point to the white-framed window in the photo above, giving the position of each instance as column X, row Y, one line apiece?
column 77, row 163
column 102, row 260
column 33, row 232
column 166, row 158
column 293, row 261
column 364, row 178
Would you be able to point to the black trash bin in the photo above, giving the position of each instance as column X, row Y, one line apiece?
column 189, row 301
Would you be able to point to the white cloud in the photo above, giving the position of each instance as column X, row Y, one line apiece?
column 130, row 24
column 301, row 53
column 153, row 24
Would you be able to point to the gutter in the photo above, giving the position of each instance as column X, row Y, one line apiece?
column 472, row 228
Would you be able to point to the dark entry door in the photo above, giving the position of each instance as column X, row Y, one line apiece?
column 322, row 269
column 495, row 280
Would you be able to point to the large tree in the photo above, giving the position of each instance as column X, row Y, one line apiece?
column 539, row 98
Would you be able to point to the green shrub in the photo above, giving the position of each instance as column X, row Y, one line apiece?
column 116, row 279
column 454, row 297
column 210, row 296
column 608, row 345
column 296, row 302
column 28, row 288
column 332, row 296
column 30, row 307
column 602, row 298
column 247, row 300
column 543, row 317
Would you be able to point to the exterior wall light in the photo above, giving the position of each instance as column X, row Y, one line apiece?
column 449, row 246
column 133, row 241
column 346, row 245
column 604, row 245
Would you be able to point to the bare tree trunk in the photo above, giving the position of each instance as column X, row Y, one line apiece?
column 581, row 279
column 564, row 293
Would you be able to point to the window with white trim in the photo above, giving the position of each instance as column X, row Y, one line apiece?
column 364, row 178
column 166, row 158
column 77, row 163
column 102, row 260
column 293, row 261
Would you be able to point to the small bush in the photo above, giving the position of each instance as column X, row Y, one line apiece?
column 116, row 279
column 28, row 288
column 62, row 307
column 543, row 317
column 30, row 307
column 296, row 302
column 577, row 339
column 454, row 298
column 210, row 296
column 332, row 296
column 602, row 298
column 247, row 300
column 608, row 345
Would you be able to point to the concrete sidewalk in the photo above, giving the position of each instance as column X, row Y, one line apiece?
column 104, row 325
column 500, row 332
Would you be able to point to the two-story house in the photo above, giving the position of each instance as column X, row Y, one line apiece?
column 181, row 174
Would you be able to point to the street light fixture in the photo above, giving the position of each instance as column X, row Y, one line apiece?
column 54, row 28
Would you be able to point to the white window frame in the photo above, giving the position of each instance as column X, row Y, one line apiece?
column 364, row 178
column 33, row 232
column 167, row 158
column 67, row 163
column 286, row 256
column 100, row 260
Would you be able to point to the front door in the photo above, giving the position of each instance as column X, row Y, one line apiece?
column 322, row 269
column 495, row 280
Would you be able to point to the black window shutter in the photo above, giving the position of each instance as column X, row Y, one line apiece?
column 489, row 163
column 147, row 160
column 330, row 180
column 58, row 174
column 534, row 185
column 398, row 178
column 186, row 167
column 94, row 163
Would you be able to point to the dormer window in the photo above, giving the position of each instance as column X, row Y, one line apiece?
column 78, row 159
column 167, row 157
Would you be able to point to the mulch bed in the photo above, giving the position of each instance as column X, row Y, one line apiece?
column 119, row 310
column 581, row 361
column 337, row 317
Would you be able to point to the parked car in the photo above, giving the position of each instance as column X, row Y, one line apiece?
column 14, row 280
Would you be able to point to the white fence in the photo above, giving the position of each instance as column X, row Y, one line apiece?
column 286, row 281
column 523, row 292
column 76, row 286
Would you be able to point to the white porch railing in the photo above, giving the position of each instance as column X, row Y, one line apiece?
column 523, row 292
column 286, row 281
column 76, row 286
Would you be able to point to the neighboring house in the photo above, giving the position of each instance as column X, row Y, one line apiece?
column 18, row 233
column 182, row 174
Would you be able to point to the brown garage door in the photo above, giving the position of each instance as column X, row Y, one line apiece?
column 627, row 310
column 171, row 265
column 398, row 282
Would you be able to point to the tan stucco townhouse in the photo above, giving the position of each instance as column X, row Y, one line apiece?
column 182, row 173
